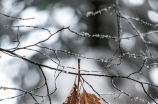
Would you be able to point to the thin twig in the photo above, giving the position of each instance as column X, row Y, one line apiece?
column 46, row 84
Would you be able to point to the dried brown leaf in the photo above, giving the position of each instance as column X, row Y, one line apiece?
column 72, row 98
column 4, row 88
column 87, row 98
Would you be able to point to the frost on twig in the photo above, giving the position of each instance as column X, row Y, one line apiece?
column 147, row 58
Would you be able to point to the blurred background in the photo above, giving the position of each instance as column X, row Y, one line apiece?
column 55, row 14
